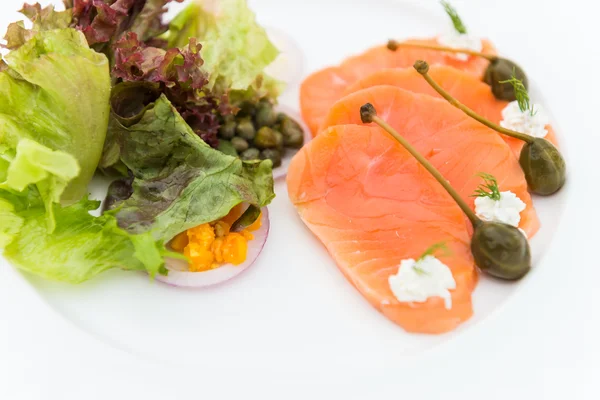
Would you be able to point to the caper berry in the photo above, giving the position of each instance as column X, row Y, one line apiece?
column 501, row 250
column 245, row 129
column 271, row 154
column 227, row 130
column 542, row 164
column 501, row 70
column 544, row 167
column 240, row 144
column 250, row 154
column 226, row 147
column 265, row 115
column 265, row 138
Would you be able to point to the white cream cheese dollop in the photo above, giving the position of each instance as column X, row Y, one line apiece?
column 507, row 209
column 522, row 121
column 460, row 41
column 419, row 280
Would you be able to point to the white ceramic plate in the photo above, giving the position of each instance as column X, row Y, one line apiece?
column 294, row 311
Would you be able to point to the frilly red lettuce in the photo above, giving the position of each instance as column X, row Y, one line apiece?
column 103, row 21
column 178, row 71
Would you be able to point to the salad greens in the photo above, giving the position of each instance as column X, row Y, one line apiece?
column 42, row 19
column 53, row 115
column 107, row 85
column 181, row 182
column 237, row 49
column 80, row 247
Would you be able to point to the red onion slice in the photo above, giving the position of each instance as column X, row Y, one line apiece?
column 180, row 276
column 281, row 171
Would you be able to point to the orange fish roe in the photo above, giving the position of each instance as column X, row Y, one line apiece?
column 208, row 246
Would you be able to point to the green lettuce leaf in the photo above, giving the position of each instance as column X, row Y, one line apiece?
column 10, row 223
column 180, row 182
column 54, row 109
column 34, row 163
column 80, row 247
column 235, row 48
column 42, row 19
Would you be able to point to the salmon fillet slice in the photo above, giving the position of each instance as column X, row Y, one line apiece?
column 323, row 88
column 457, row 145
column 372, row 205
column 465, row 87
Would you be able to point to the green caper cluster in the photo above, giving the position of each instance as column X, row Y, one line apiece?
column 258, row 132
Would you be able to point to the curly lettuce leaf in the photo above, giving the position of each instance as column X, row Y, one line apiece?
column 81, row 246
column 36, row 164
column 54, row 110
column 43, row 19
column 10, row 223
column 236, row 49
column 179, row 75
column 181, row 182
column 104, row 21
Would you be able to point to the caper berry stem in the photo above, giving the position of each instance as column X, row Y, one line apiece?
column 422, row 68
column 393, row 45
column 369, row 114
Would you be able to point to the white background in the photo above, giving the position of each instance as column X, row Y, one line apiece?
column 543, row 344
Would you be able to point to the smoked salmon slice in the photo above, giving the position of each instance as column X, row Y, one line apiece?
column 457, row 145
column 322, row 89
column 463, row 86
column 373, row 205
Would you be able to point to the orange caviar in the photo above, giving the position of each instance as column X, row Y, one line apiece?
column 208, row 246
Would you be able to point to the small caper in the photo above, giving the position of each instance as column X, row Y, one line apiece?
column 245, row 129
column 501, row 250
column 265, row 138
column 543, row 166
column 227, row 130
column 271, row 154
column 501, row 70
column 247, row 109
column 226, row 147
column 280, row 117
column 240, row 144
column 294, row 141
column 265, row 115
column 279, row 139
column 250, row 154
column 288, row 127
column 228, row 118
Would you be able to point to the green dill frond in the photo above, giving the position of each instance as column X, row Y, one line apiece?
column 521, row 94
column 435, row 248
column 489, row 188
column 420, row 270
column 456, row 21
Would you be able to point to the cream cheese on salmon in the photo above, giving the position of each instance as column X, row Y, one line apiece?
column 419, row 280
column 522, row 121
column 507, row 209
column 460, row 41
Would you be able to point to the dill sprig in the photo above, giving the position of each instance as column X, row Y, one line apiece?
column 453, row 14
column 431, row 251
column 521, row 93
column 435, row 248
column 489, row 188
